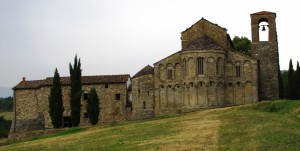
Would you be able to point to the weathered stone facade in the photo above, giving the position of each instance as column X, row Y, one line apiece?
column 266, row 53
column 31, row 101
column 206, row 73
column 142, row 94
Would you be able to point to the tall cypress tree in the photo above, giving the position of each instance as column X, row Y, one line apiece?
column 297, row 81
column 93, row 106
column 76, row 89
column 280, row 82
column 56, row 108
column 291, row 82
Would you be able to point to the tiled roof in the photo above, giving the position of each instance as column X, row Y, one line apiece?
column 204, row 43
column 263, row 13
column 146, row 70
column 85, row 80
column 203, row 19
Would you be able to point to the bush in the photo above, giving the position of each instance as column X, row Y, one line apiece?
column 4, row 127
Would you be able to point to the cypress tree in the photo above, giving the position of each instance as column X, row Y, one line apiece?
column 280, row 82
column 291, row 82
column 93, row 106
column 56, row 108
column 76, row 89
column 297, row 81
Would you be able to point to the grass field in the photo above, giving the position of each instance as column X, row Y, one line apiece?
column 7, row 115
column 262, row 126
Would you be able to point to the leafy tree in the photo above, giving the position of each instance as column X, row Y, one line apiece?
column 291, row 82
column 242, row 44
column 56, row 108
column 76, row 89
column 6, row 104
column 93, row 106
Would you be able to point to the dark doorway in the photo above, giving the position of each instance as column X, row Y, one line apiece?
column 67, row 121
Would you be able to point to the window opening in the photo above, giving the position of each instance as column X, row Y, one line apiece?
column 200, row 66
column 118, row 96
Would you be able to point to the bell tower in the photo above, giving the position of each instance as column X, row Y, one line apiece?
column 266, row 52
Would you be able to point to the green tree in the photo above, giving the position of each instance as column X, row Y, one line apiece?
column 242, row 44
column 76, row 88
column 56, row 108
column 297, row 81
column 291, row 82
column 4, row 127
column 281, row 87
column 93, row 106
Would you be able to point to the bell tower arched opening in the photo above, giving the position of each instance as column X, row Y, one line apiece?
column 263, row 27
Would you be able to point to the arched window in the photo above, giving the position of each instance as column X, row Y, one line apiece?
column 219, row 66
column 238, row 69
column 169, row 74
column 263, row 28
column 184, row 67
column 200, row 66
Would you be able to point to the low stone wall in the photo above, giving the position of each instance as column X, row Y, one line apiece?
column 143, row 114
column 31, row 134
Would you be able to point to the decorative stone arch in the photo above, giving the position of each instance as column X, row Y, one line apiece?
column 247, row 68
column 161, row 69
column 248, row 92
column 177, row 72
column 229, row 69
column 191, row 66
column 219, row 66
column 239, row 93
column 220, row 84
column 210, row 68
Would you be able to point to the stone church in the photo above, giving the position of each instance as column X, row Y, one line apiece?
column 208, row 72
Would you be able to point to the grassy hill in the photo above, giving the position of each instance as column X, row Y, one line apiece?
column 262, row 126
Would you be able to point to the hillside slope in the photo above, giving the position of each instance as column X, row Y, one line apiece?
column 236, row 128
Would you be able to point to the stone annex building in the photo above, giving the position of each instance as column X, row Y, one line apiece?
column 208, row 72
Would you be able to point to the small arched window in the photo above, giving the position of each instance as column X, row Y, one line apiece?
column 219, row 66
column 238, row 69
column 200, row 66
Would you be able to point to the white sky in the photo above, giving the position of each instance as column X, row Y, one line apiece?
column 120, row 36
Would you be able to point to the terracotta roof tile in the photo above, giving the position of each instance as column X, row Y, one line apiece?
column 146, row 70
column 263, row 13
column 204, row 43
column 85, row 80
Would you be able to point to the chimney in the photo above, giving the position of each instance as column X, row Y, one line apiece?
column 24, row 79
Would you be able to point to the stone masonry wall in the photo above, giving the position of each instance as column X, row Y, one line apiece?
column 142, row 93
column 32, row 106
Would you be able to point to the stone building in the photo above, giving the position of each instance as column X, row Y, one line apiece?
column 208, row 72
column 31, row 101
column 142, row 93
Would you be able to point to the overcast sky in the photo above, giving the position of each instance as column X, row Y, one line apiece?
column 120, row 36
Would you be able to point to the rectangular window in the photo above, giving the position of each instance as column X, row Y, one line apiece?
column 200, row 66
column 144, row 105
column 106, row 86
column 118, row 96
column 85, row 96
